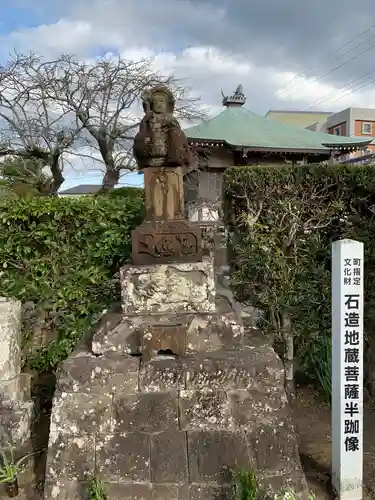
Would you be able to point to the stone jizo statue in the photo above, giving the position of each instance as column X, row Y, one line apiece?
column 160, row 140
column 161, row 151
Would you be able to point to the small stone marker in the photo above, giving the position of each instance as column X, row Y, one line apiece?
column 347, row 369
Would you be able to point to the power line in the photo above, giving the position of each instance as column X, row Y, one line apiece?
column 303, row 73
column 319, row 77
column 343, row 64
column 354, row 90
column 328, row 96
column 329, row 55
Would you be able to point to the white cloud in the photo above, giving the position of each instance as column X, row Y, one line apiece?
column 138, row 29
column 50, row 40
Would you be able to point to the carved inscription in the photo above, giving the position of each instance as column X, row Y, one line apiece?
column 170, row 241
column 235, row 377
column 168, row 245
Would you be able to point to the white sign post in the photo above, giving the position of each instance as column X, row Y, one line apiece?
column 347, row 369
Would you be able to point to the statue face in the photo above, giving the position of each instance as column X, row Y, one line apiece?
column 159, row 103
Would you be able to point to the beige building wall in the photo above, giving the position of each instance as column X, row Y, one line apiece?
column 299, row 119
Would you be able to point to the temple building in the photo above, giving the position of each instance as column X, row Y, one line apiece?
column 236, row 136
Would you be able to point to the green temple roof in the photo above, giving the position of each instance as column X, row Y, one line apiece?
column 238, row 127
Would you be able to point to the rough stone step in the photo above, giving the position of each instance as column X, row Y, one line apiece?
column 243, row 368
column 179, row 333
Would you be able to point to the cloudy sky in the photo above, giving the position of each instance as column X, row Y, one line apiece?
column 287, row 54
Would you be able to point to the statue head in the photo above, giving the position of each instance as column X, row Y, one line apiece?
column 159, row 100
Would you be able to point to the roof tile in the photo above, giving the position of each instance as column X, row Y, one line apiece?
column 237, row 126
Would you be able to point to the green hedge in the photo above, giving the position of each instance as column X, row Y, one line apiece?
column 60, row 255
column 282, row 221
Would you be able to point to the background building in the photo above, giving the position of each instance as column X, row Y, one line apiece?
column 300, row 119
column 81, row 190
column 237, row 136
column 351, row 122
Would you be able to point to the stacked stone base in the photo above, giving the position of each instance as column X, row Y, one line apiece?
column 16, row 406
column 172, row 428
column 154, row 423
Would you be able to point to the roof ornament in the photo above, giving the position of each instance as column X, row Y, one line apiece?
column 237, row 99
column 239, row 90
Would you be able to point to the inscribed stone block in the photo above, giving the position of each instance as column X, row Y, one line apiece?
column 162, row 373
column 234, row 369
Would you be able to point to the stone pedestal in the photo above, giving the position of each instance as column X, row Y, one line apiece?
column 164, row 193
column 173, row 397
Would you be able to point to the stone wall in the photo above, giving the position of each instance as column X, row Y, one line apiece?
column 15, row 403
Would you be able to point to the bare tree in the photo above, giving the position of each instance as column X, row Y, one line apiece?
column 32, row 124
column 103, row 95
column 276, row 227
